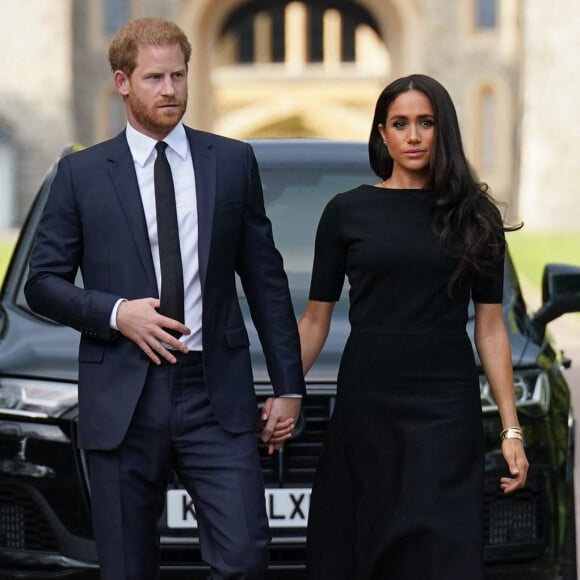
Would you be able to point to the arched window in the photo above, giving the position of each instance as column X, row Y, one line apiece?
column 285, row 18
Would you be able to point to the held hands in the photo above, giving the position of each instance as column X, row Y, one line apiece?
column 515, row 457
column 140, row 322
column 279, row 417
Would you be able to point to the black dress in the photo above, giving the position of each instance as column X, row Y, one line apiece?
column 399, row 486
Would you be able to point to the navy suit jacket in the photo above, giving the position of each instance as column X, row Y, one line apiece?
column 94, row 220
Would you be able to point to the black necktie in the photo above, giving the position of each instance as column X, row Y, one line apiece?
column 168, row 239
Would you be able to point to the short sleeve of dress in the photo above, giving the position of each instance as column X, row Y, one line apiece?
column 328, row 270
column 490, row 289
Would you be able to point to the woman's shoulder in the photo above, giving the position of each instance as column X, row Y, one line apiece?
column 354, row 195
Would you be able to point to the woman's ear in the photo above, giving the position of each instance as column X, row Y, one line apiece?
column 382, row 133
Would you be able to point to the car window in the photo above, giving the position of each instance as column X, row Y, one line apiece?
column 294, row 201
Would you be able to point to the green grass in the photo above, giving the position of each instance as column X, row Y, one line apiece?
column 6, row 247
column 532, row 250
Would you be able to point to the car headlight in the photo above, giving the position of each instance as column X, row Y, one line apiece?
column 532, row 390
column 36, row 398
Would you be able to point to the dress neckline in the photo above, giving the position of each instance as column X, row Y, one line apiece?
column 397, row 189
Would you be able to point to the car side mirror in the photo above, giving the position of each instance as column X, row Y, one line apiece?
column 560, row 294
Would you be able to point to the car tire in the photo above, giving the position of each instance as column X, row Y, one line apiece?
column 569, row 565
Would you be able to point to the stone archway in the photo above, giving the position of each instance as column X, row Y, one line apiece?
column 401, row 25
column 273, row 103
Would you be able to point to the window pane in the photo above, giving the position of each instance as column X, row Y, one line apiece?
column 278, row 41
column 315, row 33
column 116, row 14
column 486, row 13
column 348, row 40
column 295, row 197
column 246, row 40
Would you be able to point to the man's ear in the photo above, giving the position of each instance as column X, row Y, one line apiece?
column 121, row 82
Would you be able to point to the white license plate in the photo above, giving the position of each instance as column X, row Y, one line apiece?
column 286, row 508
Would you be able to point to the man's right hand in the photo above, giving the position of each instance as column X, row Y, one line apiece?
column 140, row 322
column 279, row 417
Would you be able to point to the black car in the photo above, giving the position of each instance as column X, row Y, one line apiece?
column 45, row 522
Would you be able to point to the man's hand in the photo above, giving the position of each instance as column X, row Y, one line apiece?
column 279, row 415
column 140, row 322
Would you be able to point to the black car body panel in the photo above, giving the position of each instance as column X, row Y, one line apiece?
column 45, row 523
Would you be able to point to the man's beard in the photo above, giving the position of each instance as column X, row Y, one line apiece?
column 155, row 119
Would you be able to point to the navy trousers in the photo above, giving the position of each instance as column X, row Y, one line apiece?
column 174, row 428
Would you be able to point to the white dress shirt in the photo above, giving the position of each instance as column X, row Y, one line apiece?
column 179, row 156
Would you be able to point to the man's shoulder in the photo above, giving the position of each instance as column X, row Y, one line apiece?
column 205, row 138
column 113, row 147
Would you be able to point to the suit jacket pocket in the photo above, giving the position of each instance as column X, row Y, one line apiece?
column 237, row 337
column 91, row 352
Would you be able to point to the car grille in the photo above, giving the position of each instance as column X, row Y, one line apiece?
column 22, row 525
column 512, row 520
column 516, row 521
column 296, row 464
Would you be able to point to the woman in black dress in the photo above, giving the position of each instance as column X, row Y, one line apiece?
column 399, row 486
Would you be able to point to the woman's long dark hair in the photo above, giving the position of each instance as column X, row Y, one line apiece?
column 464, row 215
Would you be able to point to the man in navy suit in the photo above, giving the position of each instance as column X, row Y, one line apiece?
column 158, row 392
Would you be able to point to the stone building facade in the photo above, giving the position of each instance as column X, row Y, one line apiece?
column 35, row 98
column 272, row 68
column 549, row 167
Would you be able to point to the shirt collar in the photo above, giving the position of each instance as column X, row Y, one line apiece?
column 142, row 146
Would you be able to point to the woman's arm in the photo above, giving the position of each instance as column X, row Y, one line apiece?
column 493, row 347
column 313, row 328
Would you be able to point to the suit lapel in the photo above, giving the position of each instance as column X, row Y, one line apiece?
column 204, row 164
column 124, row 178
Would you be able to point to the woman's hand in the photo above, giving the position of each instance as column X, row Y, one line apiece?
column 515, row 457
column 279, row 416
